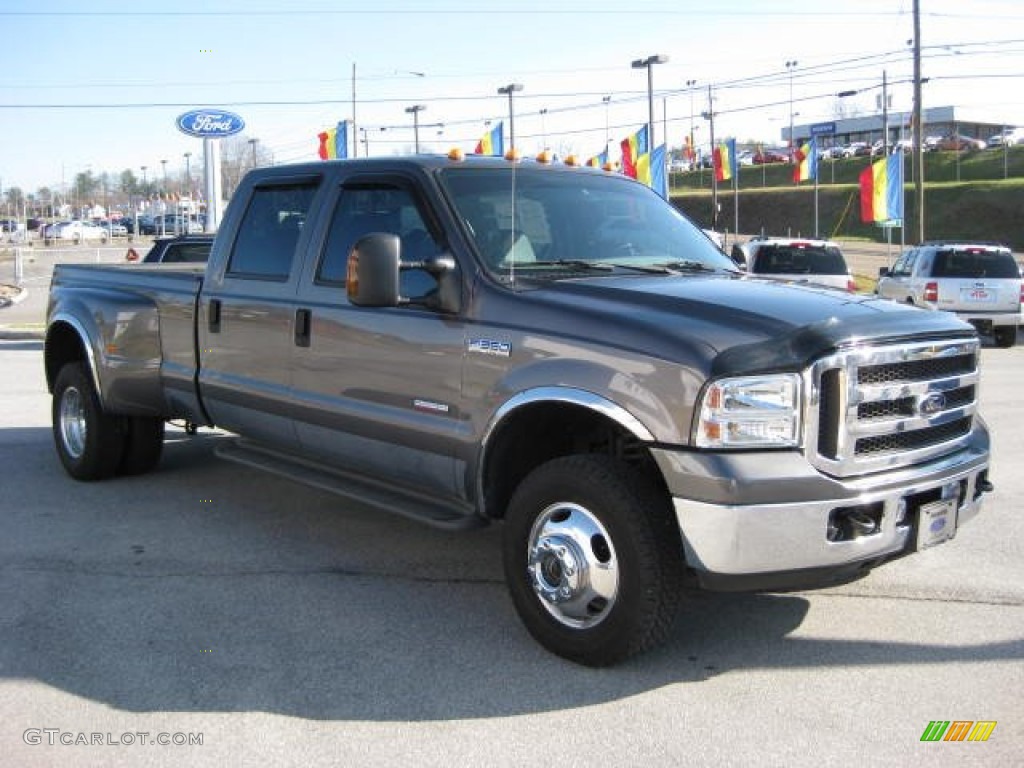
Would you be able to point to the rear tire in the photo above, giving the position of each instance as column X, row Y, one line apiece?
column 143, row 445
column 89, row 442
column 593, row 559
column 1005, row 335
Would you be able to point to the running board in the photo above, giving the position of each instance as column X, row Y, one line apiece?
column 354, row 487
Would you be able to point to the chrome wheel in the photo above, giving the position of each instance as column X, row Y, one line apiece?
column 572, row 565
column 73, row 429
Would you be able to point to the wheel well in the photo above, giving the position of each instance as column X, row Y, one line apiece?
column 536, row 433
column 63, row 346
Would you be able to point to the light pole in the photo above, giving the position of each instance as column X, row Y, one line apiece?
column 188, row 174
column 790, row 66
column 415, row 110
column 252, row 145
column 509, row 90
column 543, row 130
column 693, row 142
column 649, row 63
column 164, row 164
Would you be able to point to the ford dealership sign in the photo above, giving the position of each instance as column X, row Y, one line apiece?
column 210, row 123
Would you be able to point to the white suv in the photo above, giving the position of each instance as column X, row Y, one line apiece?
column 979, row 282
column 795, row 259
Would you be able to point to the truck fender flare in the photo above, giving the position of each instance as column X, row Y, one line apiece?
column 569, row 395
column 62, row 318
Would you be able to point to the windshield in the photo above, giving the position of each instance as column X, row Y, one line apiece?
column 566, row 222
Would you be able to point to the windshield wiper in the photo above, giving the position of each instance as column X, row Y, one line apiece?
column 575, row 263
column 688, row 266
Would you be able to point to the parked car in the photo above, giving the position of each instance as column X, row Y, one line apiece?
column 979, row 282
column 958, row 143
column 745, row 157
column 76, row 231
column 819, row 262
column 181, row 249
column 9, row 225
column 115, row 228
column 765, row 156
column 175, row 224
column 1007, row 137
column 857, row 149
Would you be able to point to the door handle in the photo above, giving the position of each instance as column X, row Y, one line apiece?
column 303, row 326
column 213, row 318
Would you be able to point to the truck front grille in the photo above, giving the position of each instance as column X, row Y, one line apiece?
column 875, row 408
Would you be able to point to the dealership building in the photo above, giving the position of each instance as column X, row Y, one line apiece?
column 939, row 121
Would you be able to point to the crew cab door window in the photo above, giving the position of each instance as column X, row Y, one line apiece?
column 265, row 246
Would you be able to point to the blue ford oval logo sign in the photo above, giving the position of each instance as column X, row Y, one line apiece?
column 932, row 404
column 210, row 123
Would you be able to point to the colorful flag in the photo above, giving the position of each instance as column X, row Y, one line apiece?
column 633, row 148
column 599, row 160
column 334, row 142
column 806, row 161
column 492, row 142
column 724, row 160
column 881, row 190
column 688, row 152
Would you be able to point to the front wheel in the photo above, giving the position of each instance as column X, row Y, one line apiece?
column 593, row 559
column 89, row 441
column 1005, row 335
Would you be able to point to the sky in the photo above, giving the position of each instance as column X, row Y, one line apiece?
column 97, row 86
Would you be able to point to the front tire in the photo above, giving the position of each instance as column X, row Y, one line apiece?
column 1005, row 335
column 89, row 442
column 593, row 559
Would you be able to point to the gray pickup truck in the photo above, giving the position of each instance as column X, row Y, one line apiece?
column 468, row 340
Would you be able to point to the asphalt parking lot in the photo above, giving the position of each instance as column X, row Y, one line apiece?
column 279, row 626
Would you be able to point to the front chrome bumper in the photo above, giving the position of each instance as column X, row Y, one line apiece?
column 762, row 539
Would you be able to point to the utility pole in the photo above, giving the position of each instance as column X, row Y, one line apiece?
column 918, row 128
column 714, row 173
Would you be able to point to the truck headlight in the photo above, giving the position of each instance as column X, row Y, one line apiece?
column 750, row 412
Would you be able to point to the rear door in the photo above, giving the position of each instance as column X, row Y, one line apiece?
column 897, row 284
column 977, row 279
column 246, row 319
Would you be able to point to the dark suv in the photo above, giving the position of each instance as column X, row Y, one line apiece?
column 194, row 249
column 978, row 282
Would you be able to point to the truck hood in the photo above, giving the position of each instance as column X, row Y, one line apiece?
column 734, row 324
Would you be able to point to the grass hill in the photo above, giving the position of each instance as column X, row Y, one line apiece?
column 977, row 196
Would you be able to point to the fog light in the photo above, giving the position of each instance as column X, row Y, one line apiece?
column 901, row 512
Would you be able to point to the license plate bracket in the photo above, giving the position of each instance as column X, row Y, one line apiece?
column 936, row 523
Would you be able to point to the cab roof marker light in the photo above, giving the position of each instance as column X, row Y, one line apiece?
column 456, row 155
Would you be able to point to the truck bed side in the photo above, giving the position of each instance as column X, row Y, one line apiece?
column 135, row 328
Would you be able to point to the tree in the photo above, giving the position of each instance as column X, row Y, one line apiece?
column 239, row 154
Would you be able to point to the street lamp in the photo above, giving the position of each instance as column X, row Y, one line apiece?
column 164, row 164
column 188, row 174
column 543, row 130
column 415, row 110
column 252, row 144
column 649, row 63
column 790, row 66
column 509, row 90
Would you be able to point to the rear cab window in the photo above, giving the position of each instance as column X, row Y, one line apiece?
column 799, row 259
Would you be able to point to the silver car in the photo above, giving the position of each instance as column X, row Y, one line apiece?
column 979, row 282
column 795, row 260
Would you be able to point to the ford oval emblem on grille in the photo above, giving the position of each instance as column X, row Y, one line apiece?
column 932, row 404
